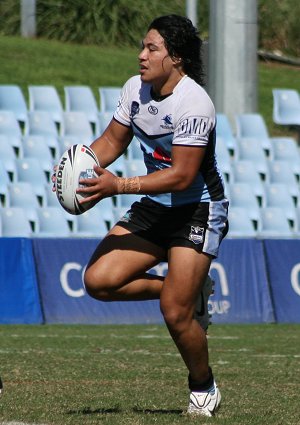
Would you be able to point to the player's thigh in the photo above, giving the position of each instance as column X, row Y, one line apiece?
column 120, row 257
column 187, row 270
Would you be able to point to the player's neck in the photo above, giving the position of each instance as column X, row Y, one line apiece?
column 165, row 88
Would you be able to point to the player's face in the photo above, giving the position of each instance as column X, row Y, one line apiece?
column 156, row 65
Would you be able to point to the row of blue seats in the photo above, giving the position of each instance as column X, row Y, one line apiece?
column 41, row 123
column 46, row 98
column 286, row 102
column 37, row 171
column 249, row 222
column 271, row 222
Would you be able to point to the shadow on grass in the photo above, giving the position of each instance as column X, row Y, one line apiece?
column 114, row 410
column 158, row 411
column 89, row 411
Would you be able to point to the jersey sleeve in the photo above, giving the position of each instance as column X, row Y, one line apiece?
column 122, row 113
column 196, row 122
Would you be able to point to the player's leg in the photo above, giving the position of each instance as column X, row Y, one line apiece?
column 117, row 269
column 187, row 272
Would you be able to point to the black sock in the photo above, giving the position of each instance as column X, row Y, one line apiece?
column 201, row 386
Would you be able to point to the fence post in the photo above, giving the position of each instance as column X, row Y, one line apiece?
column 28, row 21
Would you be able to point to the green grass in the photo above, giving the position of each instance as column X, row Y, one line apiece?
column 133, row 375
column 26, row 62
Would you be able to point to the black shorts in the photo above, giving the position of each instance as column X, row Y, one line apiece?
column 200, row 226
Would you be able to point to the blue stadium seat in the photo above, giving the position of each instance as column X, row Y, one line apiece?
column 34, row 147
column 14, row 141
column 40, row 123
column 46, row 98
column 52, row 222
column 4, row 182
column 225, row 132
column 118, row 212
column 277, row 195
column 9, row 124
column 118, row 166
column 126, row 200
column 251, row 149
column 109, row 98
column 77, row 124
column 253, row 126
column 105, row 207
column 15, row 223
column 224, row 159
column 286, row 107
column 91, row 224
column 12, row 99
column 240, row 224
column 104, row 119
column 65, row 142
column 30, row 170
column 274, row 224
column 134, row 167
column 286, row 149
column 82, row 99
column 134, row 150
column 22, row 195
column 51, row 198
column 282, row 172
column 8, row 157
column 242, row 195
column 245, row 172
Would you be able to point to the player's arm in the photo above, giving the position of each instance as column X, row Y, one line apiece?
column 186, row 161
column 112, row 143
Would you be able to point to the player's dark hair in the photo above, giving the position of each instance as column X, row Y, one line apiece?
column 182, row 41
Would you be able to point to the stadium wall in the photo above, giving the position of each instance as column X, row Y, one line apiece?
column 257, row 281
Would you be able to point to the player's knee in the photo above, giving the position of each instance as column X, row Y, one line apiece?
column 97, row 284
column 175, row 316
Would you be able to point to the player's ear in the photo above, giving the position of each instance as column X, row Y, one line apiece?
column 176, row 59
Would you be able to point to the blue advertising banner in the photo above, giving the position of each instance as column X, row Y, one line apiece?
column 241, row 284
column 19, row 297
column 60, row 266
column 241, row 291
column 283, row 260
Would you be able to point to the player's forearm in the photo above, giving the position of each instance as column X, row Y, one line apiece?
column 106, row 151
column 163, row 181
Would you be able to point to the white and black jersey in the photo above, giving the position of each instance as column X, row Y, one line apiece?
column 186, row 118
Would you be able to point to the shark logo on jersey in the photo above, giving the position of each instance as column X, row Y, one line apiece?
column 167, row 119
column 135, row 109
column 196, row 234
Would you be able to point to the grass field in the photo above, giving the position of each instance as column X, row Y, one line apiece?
column 133, row 375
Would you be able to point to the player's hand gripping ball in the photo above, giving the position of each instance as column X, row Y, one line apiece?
column 76, row 163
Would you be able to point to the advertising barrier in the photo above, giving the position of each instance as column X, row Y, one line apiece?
column 283, row 261
column 19, row 297
column 60, row 267
column 241, row 285
column 241, row 290
column 41, row 281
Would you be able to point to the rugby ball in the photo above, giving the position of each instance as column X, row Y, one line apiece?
column 76, row 163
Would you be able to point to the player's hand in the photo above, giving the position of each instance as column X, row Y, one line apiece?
column 53, row 178
column 102, row 186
